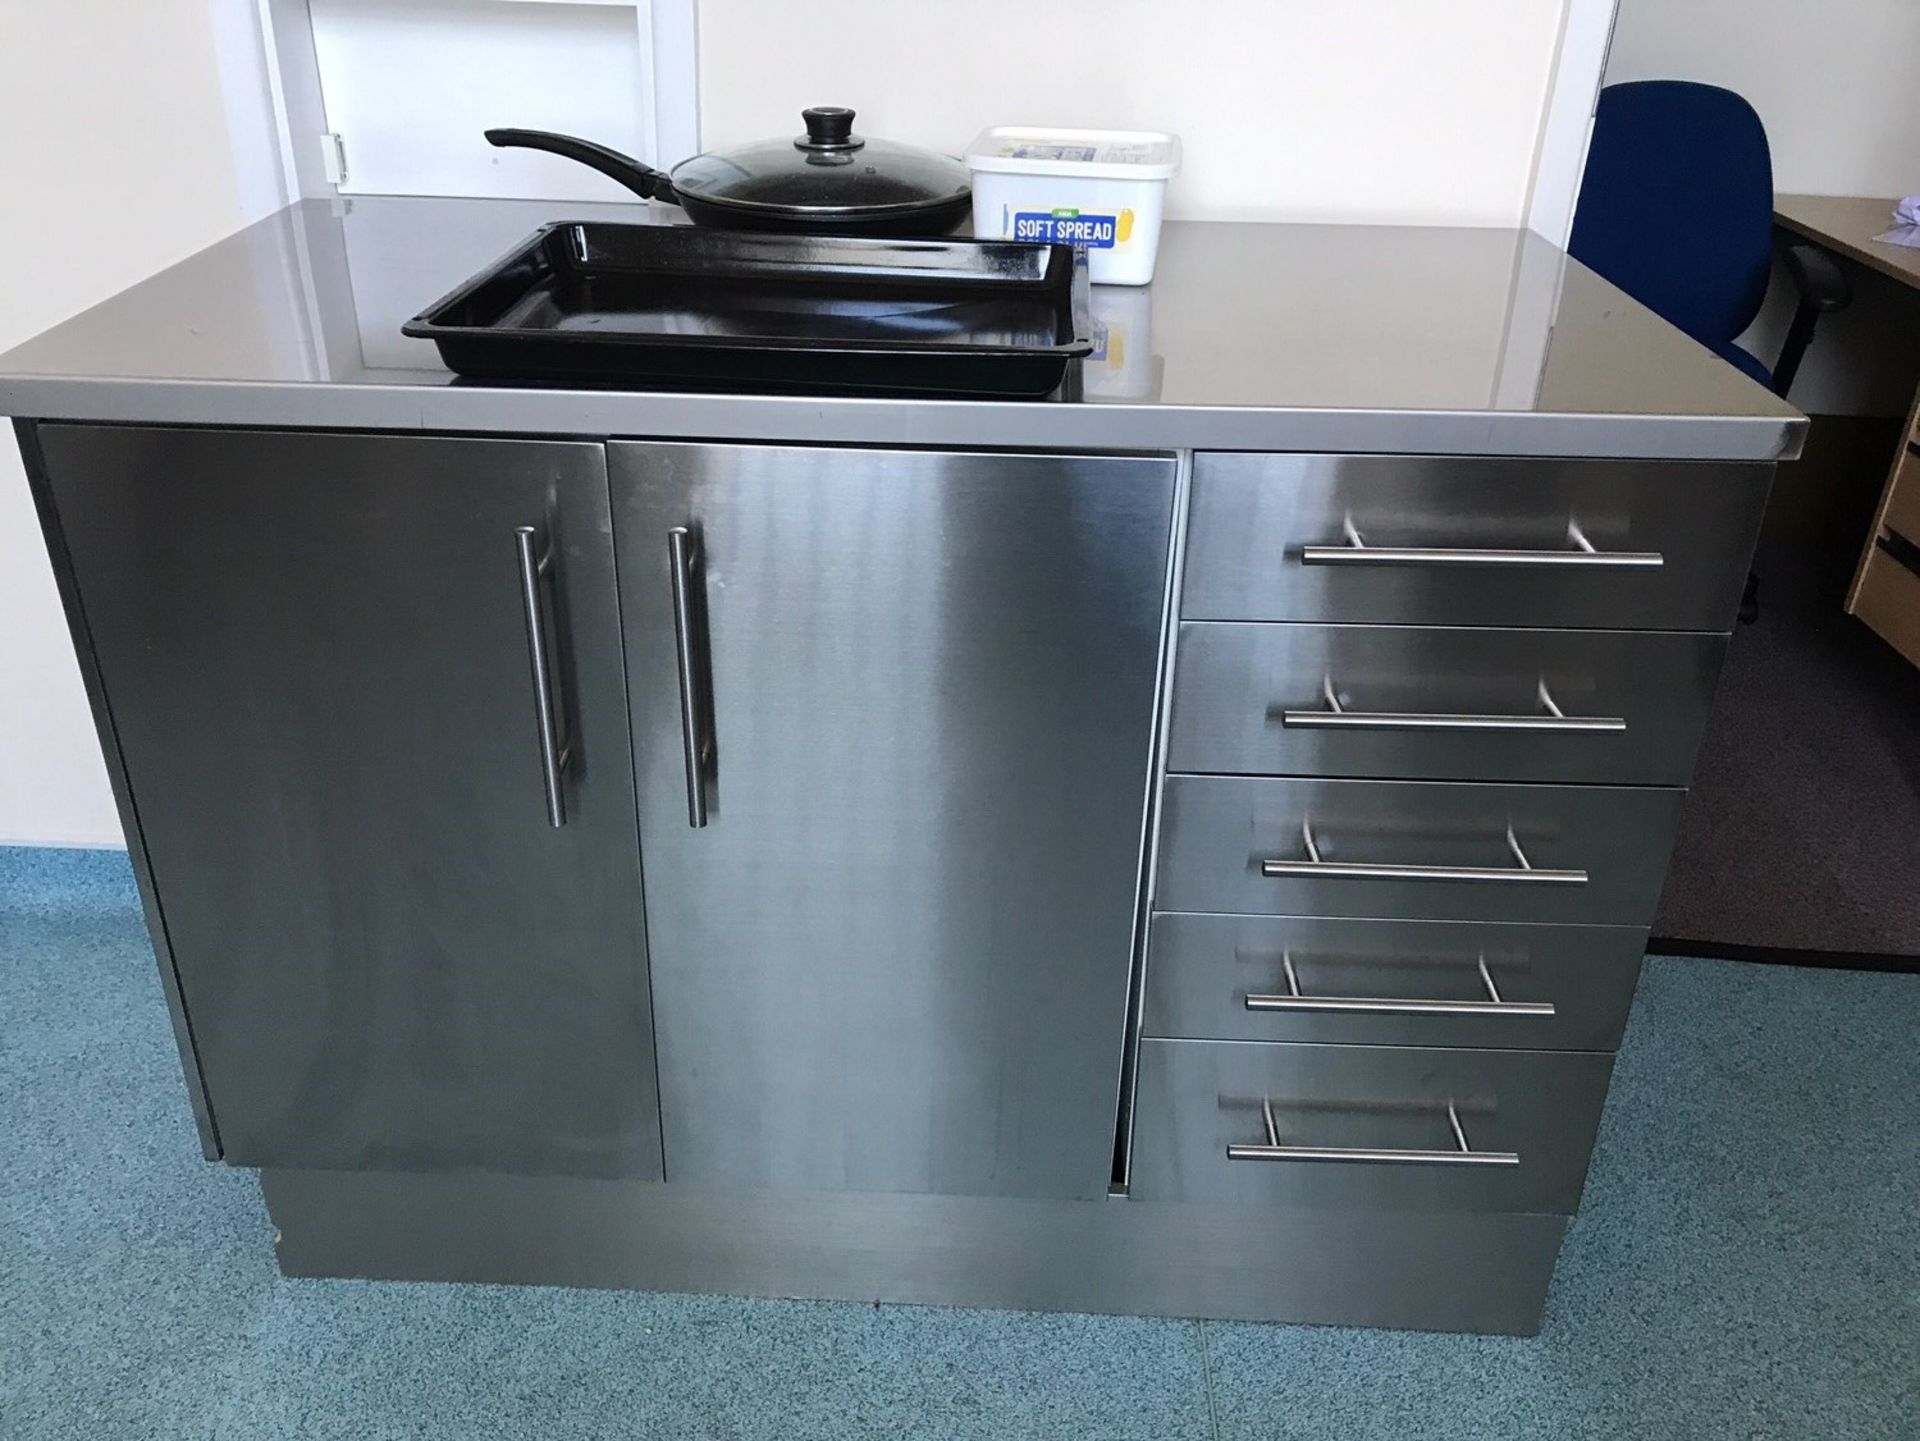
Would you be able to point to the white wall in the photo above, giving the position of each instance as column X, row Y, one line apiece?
column 1836, row 87
column 1835, row 83
column 135, row 134
column 1374, row 110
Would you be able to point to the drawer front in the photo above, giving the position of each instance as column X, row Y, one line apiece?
column 1888, row 599
column 1471, row 542
column 1433, row 702
column 1365, row 1126
column 1903, row 495
column 1390, row 983
column 1433, row 850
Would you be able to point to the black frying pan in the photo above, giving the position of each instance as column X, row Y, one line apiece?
column 828, row 180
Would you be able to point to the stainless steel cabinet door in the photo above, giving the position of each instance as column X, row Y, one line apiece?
column 315, row 652
column 919, row 688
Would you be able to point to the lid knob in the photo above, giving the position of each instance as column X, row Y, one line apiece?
column 829, row 127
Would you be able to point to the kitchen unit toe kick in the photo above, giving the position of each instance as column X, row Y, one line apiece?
column 1442, row 1272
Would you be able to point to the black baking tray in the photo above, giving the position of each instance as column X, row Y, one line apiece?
column 679, row 307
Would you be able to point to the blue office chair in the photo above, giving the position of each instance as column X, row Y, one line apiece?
column 1676, row 208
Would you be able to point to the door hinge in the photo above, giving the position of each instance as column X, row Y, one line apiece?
column 333, row 157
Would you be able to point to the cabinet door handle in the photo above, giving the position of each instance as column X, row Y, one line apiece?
column 696, row 729
column 1494, row 1005
column 1313, row 868
column 536, row 577
column 1580, row 554
column 1462, row 1154
column 1552, row 720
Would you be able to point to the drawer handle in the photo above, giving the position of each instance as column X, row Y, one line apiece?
column 1494, row 1005
column 536, row 578
column 684, row 560
column 1313, row 868
column 1555, row 721
column 1582, row 553
column 1462, row 1154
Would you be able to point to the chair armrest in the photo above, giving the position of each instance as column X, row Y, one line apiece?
column 1820, row 281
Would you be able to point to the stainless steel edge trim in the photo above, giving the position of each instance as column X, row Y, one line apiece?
column 1150, row 832
column 682, row 550
column 53, row 530
column 867, row 420
column 534, row 567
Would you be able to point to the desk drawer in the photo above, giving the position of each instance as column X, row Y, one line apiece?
column 1888, row 599
column 1398, row 983
column 1903, row 495
column 1441, row 703
column 1471, row 542
column 1429, row 850
column 1365, row 1126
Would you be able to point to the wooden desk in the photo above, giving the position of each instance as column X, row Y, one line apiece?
column 1886, row 584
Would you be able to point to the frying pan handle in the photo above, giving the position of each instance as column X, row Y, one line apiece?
column 642, row 180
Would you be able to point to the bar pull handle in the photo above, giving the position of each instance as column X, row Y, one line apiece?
column 1580, row 554
column 696, row 727
column 1494, row 1005
column 536, row 578
column 1313, row 868
column 1462, row 1154
column 1551, row 720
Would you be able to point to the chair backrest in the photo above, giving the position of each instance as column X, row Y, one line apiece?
column 1676, row 207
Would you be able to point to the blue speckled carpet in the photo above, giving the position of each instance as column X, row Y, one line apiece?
column 1747, row 1264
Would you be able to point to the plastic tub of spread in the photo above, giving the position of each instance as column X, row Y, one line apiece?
column 1103, row 190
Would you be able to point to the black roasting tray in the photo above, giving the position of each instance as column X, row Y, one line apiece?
column 679, row 307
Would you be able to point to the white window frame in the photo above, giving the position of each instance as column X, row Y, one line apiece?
column 1566, row 127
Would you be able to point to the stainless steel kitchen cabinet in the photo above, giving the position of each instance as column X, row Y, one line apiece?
column 368, row 695
column 892, row 719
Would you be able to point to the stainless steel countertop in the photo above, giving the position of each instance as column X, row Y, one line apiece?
column 1253, row 337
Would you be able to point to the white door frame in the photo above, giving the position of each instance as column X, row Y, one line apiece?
column 668, row 32
column 1580, row 67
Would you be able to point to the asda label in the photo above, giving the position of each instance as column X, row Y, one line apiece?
column 1067, row 227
